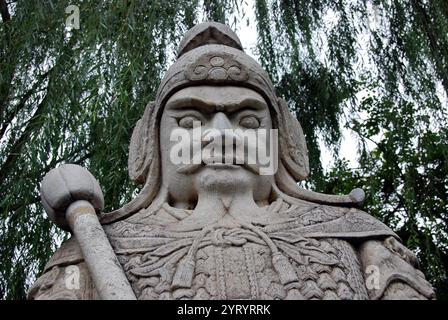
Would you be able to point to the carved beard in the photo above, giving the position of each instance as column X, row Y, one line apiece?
column 227, row 182
column 225, row 199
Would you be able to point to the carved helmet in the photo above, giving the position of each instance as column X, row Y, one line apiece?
column 211, row 53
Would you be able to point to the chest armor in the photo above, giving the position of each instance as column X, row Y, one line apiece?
column 247, row 271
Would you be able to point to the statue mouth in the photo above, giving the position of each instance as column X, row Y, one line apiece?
column 233, row 165
column 223, row 166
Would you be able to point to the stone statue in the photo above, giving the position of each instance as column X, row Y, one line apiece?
column 214, row 229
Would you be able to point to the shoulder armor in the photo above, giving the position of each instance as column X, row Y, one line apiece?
column 68, row 253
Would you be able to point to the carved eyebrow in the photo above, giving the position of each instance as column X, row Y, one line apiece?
column 249, row 103
column 209, row 106
column 191, row 102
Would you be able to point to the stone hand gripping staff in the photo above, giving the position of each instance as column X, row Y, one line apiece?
column 72, row 197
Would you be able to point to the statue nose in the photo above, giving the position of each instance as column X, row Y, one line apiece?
column 221, row 122
column 219, row 127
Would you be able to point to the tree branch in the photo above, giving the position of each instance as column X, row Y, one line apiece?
column 4, row 11
column 8, row 119
column 425, row 22
column 18, row 145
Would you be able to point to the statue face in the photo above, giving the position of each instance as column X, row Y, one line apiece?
column 213, row 111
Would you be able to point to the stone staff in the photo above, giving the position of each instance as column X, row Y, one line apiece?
column 72, row 198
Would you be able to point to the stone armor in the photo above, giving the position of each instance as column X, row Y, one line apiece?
column 321, row 246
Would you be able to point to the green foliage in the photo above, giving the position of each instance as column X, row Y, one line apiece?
column 376, row 68
column 379, row 68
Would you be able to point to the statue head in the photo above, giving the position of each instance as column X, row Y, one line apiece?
column 215, row 83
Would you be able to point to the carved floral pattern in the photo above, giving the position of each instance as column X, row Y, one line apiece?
column 214, row 67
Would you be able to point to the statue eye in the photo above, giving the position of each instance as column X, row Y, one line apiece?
column 250, row 122
column 188, row 121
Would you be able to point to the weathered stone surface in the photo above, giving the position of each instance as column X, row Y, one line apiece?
column 66, row 184
column 226, row 231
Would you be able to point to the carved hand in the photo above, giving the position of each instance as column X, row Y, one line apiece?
column 72, row 198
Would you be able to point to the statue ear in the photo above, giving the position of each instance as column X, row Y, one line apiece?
column 293, row 150
column 143, row 165
column 141, row 148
